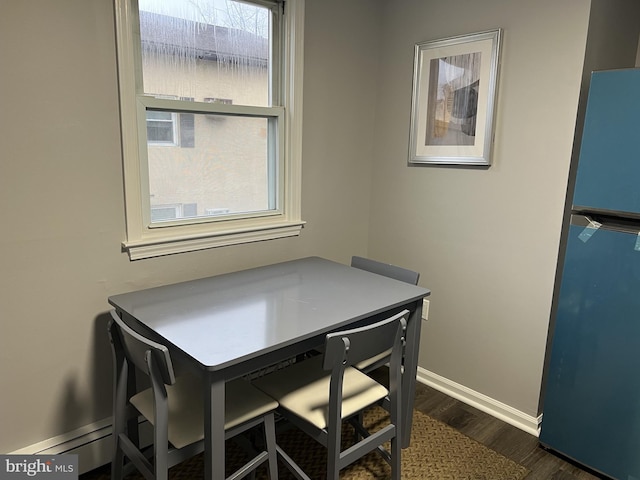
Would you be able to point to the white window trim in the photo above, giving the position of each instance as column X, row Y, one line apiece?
column 142, row 241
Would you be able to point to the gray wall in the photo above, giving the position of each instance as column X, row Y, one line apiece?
column 63, row 213
column 485, row 239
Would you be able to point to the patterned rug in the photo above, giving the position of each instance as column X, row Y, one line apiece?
column 437, row 452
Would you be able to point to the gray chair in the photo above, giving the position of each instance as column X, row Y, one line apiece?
column 173, row 405
column 319, row 393
column 387, row 270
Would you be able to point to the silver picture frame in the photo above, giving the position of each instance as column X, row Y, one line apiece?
column 455, row 82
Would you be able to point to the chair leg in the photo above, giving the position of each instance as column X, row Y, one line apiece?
column 333, row 473
column 161, row 442
column 270, row 440
column 120, row 421
column 161, row 469
column 133, row 429
column 396, row 458
column 333, row 455
column 117, row 462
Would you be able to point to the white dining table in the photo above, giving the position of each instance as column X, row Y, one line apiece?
column 231, row 325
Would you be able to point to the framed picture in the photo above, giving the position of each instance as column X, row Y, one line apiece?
column 454, row 95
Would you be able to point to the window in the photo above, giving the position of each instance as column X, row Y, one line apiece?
column 170, row 129
column 161, row 128
column 210, row 98
column 168, row 212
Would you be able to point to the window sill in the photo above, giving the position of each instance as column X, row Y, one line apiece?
column 149, row 248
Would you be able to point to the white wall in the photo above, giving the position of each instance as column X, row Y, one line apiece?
column 63, row 213
column 485, row 239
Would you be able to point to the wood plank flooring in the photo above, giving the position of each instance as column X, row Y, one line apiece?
column 501, row 437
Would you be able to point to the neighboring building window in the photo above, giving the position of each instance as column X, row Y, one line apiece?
column 161, row 128
column 171, row 212
column 180, row 64
column 170, row 129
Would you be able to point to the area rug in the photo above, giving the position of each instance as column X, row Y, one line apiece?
column 437, row 452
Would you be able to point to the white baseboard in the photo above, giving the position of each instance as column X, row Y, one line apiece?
column 92, row 444
column 510, row 415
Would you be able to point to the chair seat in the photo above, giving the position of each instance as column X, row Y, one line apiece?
column 243, row 402
column 303, row 388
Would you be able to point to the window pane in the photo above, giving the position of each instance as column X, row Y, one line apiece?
column 227, row 172
column 206, row 49
column 163, row 213
column 152, row 115
column 161, row 130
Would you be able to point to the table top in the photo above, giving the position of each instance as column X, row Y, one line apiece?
column 260, row 310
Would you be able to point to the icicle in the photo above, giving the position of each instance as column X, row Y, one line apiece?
column 181, row 38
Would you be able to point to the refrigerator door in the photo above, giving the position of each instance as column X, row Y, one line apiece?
column 592, row 402
column 609, row 167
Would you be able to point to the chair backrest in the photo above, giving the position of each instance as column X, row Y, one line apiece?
column 139, row 350
column 349, row 347
column 386, row 269
column 346, row 348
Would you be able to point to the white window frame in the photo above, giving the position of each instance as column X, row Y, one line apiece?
column 144, row 240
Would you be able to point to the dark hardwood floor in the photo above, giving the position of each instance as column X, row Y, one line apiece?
column 501, row 437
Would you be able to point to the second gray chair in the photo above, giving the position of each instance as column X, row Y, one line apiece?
column 386, row 269
column 319, row 393
column 174, row 407
column 390, row 271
